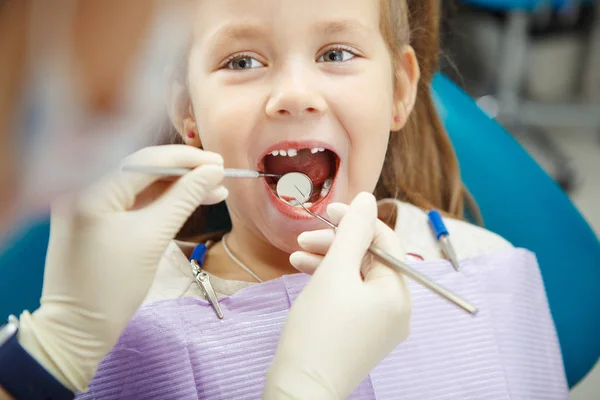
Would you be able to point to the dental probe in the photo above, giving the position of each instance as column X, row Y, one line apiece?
column 229, row 172
column 404, row 268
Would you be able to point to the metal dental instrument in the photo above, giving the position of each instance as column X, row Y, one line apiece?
column 443, row 237
column 229, row 172
column 288, row 185
column 402, row 267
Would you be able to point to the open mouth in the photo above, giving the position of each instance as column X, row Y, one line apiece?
column 318, row 163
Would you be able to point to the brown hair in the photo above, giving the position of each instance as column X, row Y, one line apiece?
column 420, row 166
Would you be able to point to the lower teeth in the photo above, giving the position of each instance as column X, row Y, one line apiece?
column 324, row 190
column 326, row 187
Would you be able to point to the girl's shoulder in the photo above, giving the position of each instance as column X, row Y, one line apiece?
column 468, row 240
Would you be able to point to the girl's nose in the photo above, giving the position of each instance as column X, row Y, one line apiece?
column 295, row 94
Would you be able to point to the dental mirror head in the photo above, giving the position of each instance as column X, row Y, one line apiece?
column 291, row 185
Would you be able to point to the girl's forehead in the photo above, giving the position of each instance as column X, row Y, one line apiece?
column 224, row 20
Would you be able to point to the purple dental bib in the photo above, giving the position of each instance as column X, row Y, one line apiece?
column 179, row 349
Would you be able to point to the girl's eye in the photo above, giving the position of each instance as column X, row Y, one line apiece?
column 336, row 55
column 244, row 62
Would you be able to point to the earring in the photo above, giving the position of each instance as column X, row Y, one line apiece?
column 191, row 134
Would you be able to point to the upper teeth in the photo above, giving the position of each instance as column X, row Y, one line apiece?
column 294, row 152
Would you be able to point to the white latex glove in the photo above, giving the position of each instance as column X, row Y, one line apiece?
column 105, row 247
column 341, row 326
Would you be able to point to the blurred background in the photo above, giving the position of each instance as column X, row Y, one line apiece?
column 78, row 74
column 534, row 66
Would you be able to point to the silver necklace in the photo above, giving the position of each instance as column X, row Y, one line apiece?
column 237, row 261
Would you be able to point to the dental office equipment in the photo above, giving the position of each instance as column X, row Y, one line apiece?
column 303, row 186
column 203, row 279
column 443, row 237
column 229, row 172
column 402, row 267
column 289, row 185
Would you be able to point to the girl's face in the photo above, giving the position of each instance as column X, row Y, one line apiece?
column 274, row 82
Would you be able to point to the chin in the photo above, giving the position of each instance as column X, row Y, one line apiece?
column 288, row 242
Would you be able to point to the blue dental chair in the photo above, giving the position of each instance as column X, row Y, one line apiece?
column 517, row 199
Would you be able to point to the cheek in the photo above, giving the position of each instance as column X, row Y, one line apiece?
column 366, row 161
column 225, row 120
column 368, row 128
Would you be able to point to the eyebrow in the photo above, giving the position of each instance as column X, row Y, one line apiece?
column 236, row 32
column 248, row 31
column 329, row 28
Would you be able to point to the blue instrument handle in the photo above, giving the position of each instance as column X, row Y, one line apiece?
column 199, row 254
column 435, row 219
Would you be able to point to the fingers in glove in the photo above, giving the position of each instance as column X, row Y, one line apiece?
column 385, row 239
column 317, row 242
column 305, row 262
column 118, row 191
column 353, row 237
column 191, row 190
column 216, row 196
column 158, row 189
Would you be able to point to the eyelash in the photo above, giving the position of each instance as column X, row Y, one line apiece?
column 239, row 56
column 235, row 57
column 340, row 48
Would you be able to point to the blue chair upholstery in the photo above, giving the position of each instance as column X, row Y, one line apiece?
column 517, row 199
column 22, row 260
column 522, row 5
column 520, row 202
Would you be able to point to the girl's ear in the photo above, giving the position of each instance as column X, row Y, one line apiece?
column 181, row 114
column 406, row 85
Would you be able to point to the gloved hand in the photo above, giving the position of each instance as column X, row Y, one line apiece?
column 341, row 326
column 104, row 250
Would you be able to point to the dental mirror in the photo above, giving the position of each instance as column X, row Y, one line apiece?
column 289, row 185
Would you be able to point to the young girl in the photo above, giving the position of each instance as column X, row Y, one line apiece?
column 338, row 90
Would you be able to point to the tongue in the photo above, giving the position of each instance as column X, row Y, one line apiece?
column 317, row 167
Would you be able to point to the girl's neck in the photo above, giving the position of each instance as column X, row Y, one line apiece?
column 266, row 261
column 262, row 258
